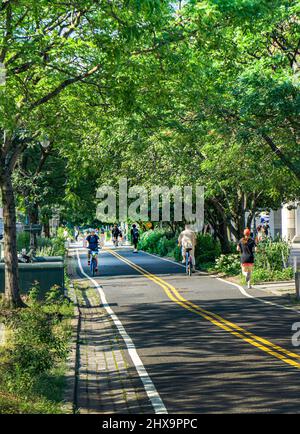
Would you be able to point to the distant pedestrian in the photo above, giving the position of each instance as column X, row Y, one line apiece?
column 135, row 237
column 247, row 247
column 115, row 235
column 102, row 236
column 260, row 234
column 266, row 229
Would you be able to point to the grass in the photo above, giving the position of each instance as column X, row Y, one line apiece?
column 33, row 360
column 46, row 398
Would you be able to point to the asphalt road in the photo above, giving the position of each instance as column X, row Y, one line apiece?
column 224, row 353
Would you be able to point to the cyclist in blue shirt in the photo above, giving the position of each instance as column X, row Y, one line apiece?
column 93, row 245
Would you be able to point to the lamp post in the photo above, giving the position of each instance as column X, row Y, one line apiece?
column 2, row 74
column 45, row 143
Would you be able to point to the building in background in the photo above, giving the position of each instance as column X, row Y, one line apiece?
column 285, row 222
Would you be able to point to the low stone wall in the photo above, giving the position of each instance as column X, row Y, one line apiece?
column 47, row 274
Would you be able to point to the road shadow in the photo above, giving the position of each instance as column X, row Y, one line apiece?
column 200, row 368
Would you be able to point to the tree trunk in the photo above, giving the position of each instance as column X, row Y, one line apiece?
column 219, row 222
column 222, row 233
column 12, row 292
column 250, row 218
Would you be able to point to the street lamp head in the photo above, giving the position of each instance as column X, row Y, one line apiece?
column 45, row 142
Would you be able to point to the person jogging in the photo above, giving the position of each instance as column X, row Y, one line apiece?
column 135, row 237
column 247, row 248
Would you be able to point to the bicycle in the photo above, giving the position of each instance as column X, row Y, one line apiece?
column 188, row 262
column 94, row 262
column 116, row 242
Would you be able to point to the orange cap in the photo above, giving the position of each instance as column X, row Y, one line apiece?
column 247, row 232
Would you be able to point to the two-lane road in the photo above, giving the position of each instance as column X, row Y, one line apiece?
column 206, row 346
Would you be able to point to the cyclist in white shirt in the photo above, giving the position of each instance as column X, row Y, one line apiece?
column 187, row 240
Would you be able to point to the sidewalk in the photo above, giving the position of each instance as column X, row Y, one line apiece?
column 279, row 289
column 106, row 383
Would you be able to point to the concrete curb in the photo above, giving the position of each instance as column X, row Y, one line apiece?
column 70, row 393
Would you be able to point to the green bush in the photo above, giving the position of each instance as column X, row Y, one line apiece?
column 44, row 242
column 149, row 240
column 207, row 249
column 228, row 264
column 270, row 262
column 272, row 256
column 46, row 246
column 23, row 240
column 166, row 246
column 164, row 243
column 36, row 342
column 263, row 275
column 61, row 230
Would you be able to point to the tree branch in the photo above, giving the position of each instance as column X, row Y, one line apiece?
column 62, row 86
column 294, row 169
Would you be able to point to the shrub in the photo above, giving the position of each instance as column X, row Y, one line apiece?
column 23, row 240
column 228, row 264
column 46, row 246
column 264, row 275
column 272, row 256
column 55, row 247
column 176, row 253
column 35, row 344
column 149, row 240
column 166, row 246
column 207, row 249
column 164, row 243
column 58, row 245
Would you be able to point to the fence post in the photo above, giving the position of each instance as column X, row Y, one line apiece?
column 297, row 278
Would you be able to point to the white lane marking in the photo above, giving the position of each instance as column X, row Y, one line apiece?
column 150, row 389
column 164, row 259
column 246, row 294
column 174, row 262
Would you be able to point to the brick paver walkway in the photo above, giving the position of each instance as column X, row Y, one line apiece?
column 106, row 383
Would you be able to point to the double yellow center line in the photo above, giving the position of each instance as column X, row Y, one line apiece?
column 263, row 344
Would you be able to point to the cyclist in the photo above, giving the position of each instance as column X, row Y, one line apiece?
column 115, row 234
column 93, row 246
column 187, row 241
column 135, row 237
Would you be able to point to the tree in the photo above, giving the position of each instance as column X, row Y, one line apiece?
column 48, row 48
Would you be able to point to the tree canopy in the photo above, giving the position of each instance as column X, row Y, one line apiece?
column 190, row 92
